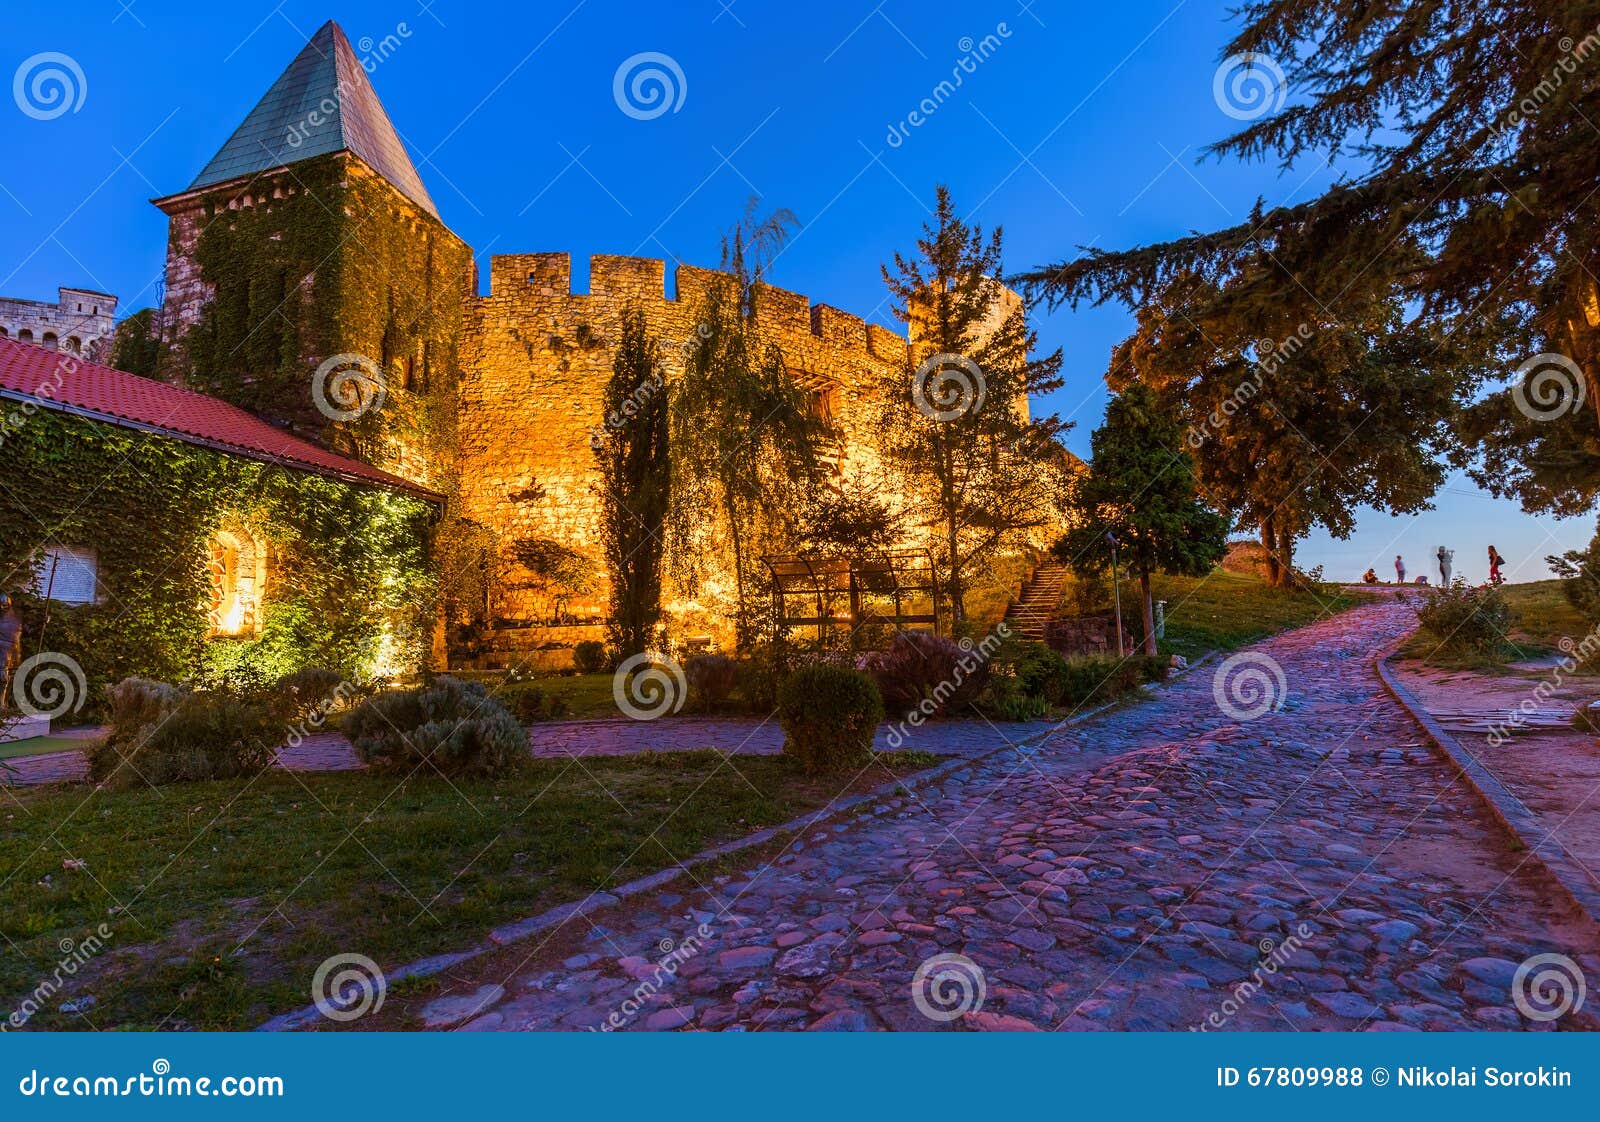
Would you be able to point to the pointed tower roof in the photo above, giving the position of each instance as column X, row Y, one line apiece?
column 322, row 103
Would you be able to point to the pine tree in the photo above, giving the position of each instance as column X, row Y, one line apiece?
column 1472, row 121
column 1140, row 489
column 632, row 450
column 956, row 424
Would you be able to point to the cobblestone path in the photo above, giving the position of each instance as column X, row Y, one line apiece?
column 1167, row 866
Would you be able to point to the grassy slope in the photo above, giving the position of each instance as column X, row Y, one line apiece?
column 1227, row 610
column 1544, row 615
column 224, row 897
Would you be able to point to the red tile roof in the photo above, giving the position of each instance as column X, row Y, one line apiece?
column 57, row 380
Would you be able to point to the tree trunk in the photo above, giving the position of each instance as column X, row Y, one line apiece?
column 1149, row 605
column 957, row 590
column 1269, row 542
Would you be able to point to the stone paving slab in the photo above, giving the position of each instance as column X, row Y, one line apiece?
column 621, row 737
column 1310, row 864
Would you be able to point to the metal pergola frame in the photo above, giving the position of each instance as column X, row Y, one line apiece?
column 899, row 576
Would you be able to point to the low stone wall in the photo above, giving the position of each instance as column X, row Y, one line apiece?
column 1082, row 636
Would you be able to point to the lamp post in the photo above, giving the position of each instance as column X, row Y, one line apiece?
column 1116, row 592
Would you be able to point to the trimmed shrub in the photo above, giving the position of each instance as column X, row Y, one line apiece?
column 590, row 657
column 530, row 702
column 829, row 715
column 712, row 678
column 1466, row 620
column 133, row 703
column 920, row 667
column 313, row 690
column 448, row 727
column 161, row 735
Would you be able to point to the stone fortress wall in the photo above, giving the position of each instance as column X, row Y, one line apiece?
column 535, row 362
column 81, row 322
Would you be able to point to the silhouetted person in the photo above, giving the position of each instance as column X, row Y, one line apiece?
column 1400, row 568
column 1445, row 557
column 1369, row 577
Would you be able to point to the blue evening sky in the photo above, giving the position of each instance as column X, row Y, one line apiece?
column 1081, row 126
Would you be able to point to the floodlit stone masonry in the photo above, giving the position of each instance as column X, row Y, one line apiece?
column 535, row 361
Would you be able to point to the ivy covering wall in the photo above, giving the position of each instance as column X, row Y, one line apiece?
column 349, row 584
column 329, row 259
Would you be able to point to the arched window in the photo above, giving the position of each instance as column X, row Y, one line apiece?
column 238, row 576
column 74, row 344
column 25, row 335
column 50, row 340
column 4, row 334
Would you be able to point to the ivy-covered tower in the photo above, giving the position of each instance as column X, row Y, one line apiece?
column 310, row 279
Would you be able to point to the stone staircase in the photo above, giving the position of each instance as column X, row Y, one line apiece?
column 1038, row 601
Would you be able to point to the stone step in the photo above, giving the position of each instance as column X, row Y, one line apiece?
column 19, row 726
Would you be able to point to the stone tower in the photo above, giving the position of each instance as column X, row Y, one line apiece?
column 310, row 279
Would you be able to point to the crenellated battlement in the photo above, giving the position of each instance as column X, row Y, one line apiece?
column 544, row 281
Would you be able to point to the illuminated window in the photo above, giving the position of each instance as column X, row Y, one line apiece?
column 238, row 573
column 67, row 576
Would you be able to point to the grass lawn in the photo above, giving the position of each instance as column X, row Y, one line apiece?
column 586, row 695
column 223, row 898
column 38, row 746
column 1543, row 617
column 1228, row 610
